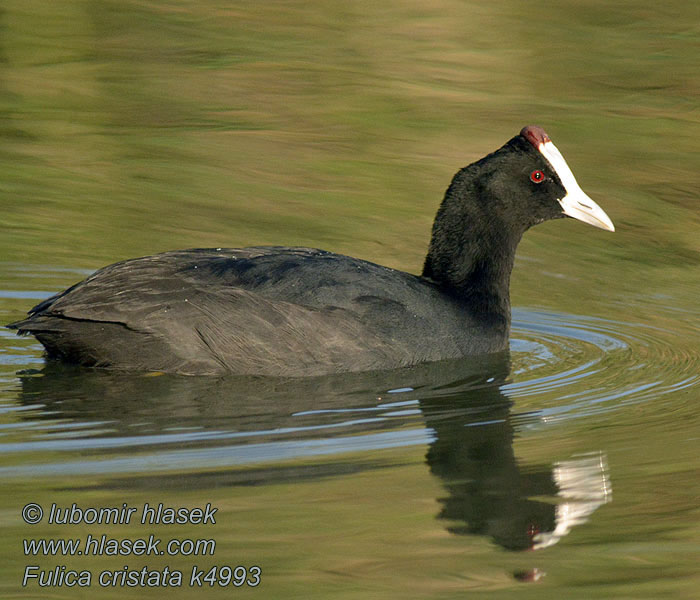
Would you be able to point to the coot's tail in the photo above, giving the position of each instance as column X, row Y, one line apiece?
column 79, row 341
column 23, row 327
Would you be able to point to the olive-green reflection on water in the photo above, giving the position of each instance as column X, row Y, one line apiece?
column 351, row 517
column 483, row 491
column 130, row 128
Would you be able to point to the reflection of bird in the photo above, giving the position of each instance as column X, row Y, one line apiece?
column 584, row 485
column 299, row 311
column 489, row 492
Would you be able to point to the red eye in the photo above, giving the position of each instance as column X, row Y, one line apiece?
column 537, row 177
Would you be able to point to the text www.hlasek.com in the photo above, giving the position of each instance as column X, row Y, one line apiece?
column 106, row 546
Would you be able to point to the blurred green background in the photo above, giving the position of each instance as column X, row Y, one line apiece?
column 129, row 128
column 133, row 127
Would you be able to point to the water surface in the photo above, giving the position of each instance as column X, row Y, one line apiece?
column 566, row 468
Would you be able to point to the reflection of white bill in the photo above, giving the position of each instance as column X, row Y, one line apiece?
column 584, row 485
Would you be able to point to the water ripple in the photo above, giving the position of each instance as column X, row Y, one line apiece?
column 580, row 365
column 562, row 367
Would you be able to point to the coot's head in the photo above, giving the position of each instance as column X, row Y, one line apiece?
column 492, row 202
column 552, row 178
column 523, row 183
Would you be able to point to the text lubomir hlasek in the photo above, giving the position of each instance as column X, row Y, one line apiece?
column 123, row 515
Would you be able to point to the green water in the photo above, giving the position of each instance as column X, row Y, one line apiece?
column 132, row 128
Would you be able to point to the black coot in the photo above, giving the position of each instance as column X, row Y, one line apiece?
column 300, row 311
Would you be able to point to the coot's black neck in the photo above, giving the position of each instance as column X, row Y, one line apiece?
column 472, row 250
